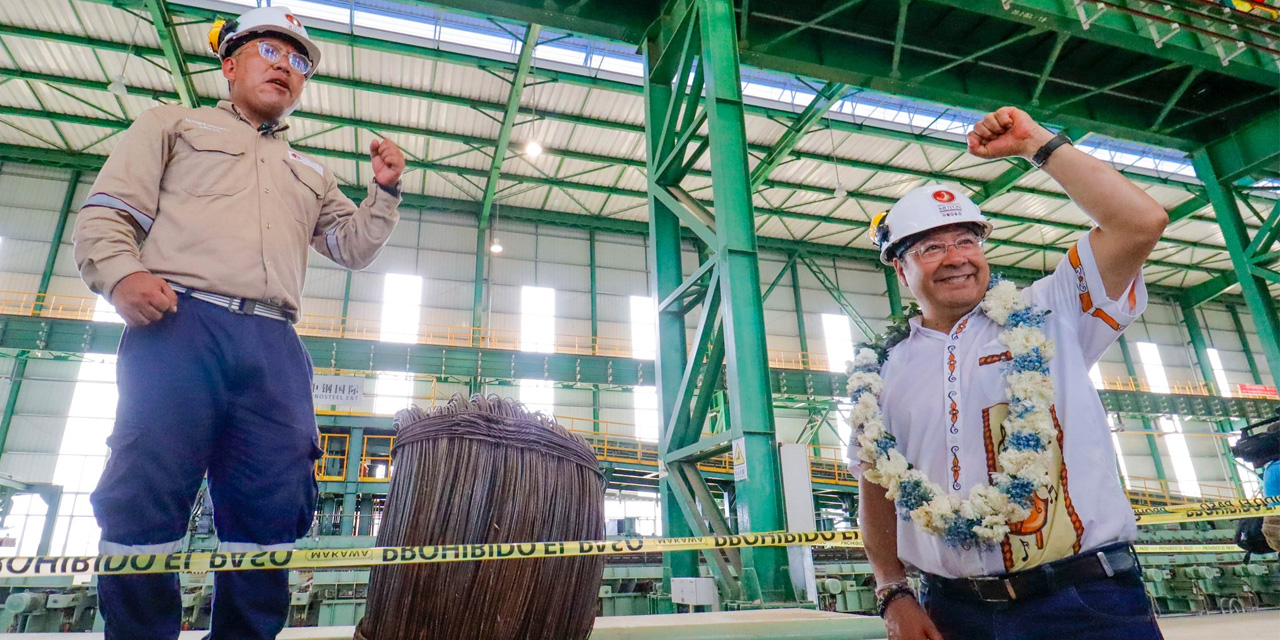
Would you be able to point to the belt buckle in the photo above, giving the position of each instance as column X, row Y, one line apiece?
column 236, row 305
column 994, row 589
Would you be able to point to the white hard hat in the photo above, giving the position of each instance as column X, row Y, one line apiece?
column 922, row 209
column 226, row 35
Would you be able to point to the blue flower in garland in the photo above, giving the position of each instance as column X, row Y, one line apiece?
column 959, row 533
column 1023, row 441
column 1029, row 316
column 912, row 494
column 1020, row 408
column 886, row 443
column 1033, row 360
column 1019, row 491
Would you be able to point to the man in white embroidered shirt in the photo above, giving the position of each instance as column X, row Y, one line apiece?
column 1067, row 570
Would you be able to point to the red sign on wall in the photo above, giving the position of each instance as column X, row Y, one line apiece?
column 1259, row 391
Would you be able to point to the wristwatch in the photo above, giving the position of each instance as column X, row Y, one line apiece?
column 1043, row 153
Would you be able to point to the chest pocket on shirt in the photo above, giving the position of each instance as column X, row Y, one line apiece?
column 306, row 192
column 215, row 165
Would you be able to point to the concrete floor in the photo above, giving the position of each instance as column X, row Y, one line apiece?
column 784, row 625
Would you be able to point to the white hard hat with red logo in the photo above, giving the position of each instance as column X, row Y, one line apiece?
column 923, row 209
column 227, row 35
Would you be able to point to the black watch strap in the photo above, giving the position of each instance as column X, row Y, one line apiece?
column 1043, row 153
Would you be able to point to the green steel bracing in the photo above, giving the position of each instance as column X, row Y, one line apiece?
column 1247, row 348
column 1262, row 307
column 55, row 244
column 670, row 357
column 836, row 294
column 492, row 177
column 1147, row 424
column 822, row 102
column 46, row 276
column 1250, row 150
column 1198, row 344
column 798, row 297
column 346, row 304
column 351, row 481
column 173, row 54
column 750, row 411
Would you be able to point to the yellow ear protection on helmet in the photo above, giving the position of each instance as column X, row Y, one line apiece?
column 221, row 29
column 879, row 230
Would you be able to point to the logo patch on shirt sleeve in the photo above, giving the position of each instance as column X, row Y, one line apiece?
column 294, row 155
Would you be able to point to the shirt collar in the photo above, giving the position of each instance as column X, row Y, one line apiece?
column 230, row 107
column 918, row 328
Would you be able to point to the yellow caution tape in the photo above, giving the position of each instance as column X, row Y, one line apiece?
column 1257, row 502
column 379, row 556
column 334, row 558
column 1221, row 510
column 1187, row 548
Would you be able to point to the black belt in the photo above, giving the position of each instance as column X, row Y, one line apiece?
column 1104, row 562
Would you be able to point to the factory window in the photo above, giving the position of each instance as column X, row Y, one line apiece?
column 1219, row 374
column 1183, row 468
column 1095, row 374
column 838, row 336
column 643, row 344
column 632, row 513
column 392, row 391
column 643, row 322
column 401, row 308
column 538, row 319
column 646, row 413
column 538, row 334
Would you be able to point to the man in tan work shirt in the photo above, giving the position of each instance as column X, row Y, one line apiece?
column 197, row 231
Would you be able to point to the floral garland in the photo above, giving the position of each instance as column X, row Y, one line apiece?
column 1025, row 460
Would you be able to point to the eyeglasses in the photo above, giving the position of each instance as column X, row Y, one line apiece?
column 933, row 252
column 272, row 53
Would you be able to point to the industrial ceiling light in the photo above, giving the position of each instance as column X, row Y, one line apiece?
column 496, row 247
column 533, row 149
column 117, row 86
column 841, row 193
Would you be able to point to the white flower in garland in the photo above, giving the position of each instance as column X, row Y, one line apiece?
column 1025, row 463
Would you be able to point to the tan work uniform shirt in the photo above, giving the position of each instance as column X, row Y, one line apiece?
column 201, row 198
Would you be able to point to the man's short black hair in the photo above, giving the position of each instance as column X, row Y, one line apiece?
column 904, row 245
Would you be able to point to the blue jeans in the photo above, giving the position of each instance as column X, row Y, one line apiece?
column 206, row 391
column 1106, row 609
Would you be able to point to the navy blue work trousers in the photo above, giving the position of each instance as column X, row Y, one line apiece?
column 207, row 391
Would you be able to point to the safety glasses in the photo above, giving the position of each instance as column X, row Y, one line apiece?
column 272, row 53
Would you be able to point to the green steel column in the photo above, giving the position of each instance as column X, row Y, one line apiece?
column 893, row 292
column 46, row 276
column 523, row 64
column 671, row 352
column 1146, row 420
column 1199, row 345
column 595, row 327
column 1236, row 236
column 750, row 405
column 355, row 449
column 800, row 326
column 346, row 305
column 1244, row 344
